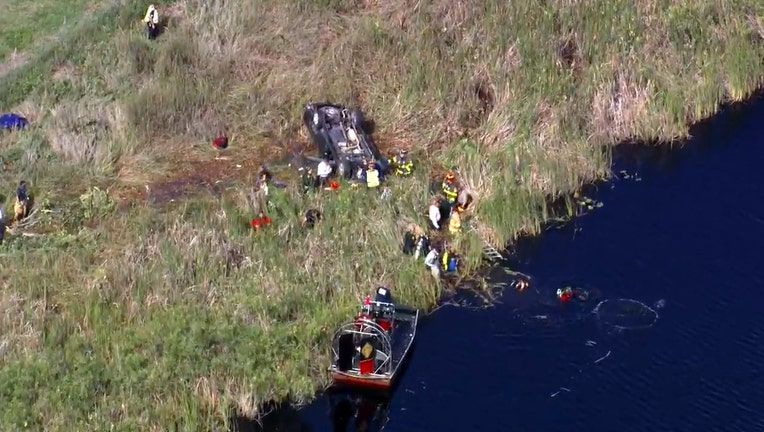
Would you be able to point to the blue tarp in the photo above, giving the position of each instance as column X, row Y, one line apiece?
column 12, row 121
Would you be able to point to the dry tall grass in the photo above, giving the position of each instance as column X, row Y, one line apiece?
column 154, row 320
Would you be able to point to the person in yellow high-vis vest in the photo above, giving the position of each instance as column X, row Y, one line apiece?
column 372, row 176
column 449, row 188
column 455, row 222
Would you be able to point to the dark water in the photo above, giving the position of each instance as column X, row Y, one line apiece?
column 686, row 241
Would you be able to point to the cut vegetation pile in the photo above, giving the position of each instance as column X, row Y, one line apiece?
column 122, row 309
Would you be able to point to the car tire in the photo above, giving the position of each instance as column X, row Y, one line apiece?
column 358, row 120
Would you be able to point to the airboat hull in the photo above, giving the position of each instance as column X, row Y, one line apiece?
column 342, row 379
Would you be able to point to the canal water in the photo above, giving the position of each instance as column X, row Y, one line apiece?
column 681, row 241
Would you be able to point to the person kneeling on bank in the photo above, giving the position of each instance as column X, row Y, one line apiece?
column 402, row 164
column 448, row 261
column 311, row 218
column 260, row 221
column 431, row 261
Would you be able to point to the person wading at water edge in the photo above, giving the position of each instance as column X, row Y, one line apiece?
column 448, row 261
column 152, row 22
column 568, row 293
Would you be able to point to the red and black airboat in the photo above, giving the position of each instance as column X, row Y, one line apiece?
column 368, row 352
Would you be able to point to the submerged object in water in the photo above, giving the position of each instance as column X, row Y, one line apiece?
column 625, row 314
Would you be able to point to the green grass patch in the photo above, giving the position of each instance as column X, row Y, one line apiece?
column 24, row 24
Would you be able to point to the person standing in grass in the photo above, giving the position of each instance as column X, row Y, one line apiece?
column 152, row 22
column 449, row 189
column 21, row 206
column 324, row 171
column 372, row 176
column 435, row 216
column 455, row 222
column 308, row 179
column 431, row 261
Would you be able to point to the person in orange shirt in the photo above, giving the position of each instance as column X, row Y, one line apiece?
column 260, row 221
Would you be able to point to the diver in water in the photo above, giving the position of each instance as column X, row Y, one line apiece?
column 568, row 293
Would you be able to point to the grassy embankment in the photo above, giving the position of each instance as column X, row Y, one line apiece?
column 155, row 317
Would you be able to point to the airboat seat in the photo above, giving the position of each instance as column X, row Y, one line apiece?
column 385, row 324
column 366, row 366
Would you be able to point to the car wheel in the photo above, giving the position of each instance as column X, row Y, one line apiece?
column 358, row 121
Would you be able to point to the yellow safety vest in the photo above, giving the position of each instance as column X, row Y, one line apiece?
column 444, row 260
column 455, row 224
column 372, row 178
column 450, row 191
column 403, row 167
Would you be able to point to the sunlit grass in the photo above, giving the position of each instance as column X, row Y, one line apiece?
column 176, row 315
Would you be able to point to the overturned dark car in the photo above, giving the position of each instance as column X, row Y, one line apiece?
column 344, row 136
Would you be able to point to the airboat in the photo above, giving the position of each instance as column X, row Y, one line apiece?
column 368, row 352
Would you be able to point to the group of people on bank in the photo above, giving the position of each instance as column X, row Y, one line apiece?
column 444, row 214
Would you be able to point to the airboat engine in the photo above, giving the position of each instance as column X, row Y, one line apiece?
column 383, row 295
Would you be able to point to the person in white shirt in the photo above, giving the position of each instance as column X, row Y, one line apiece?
column 431, row 261
column 152, row 22
column 435, row 215
column 324, row 171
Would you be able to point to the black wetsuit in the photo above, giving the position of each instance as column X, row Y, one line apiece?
column 409, row 243
column 312, row 217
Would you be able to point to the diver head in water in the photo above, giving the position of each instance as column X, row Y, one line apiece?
column 568, row 293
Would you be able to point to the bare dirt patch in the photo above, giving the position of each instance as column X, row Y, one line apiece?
column 206, row 170
column 64, row 72
column 14, row 61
